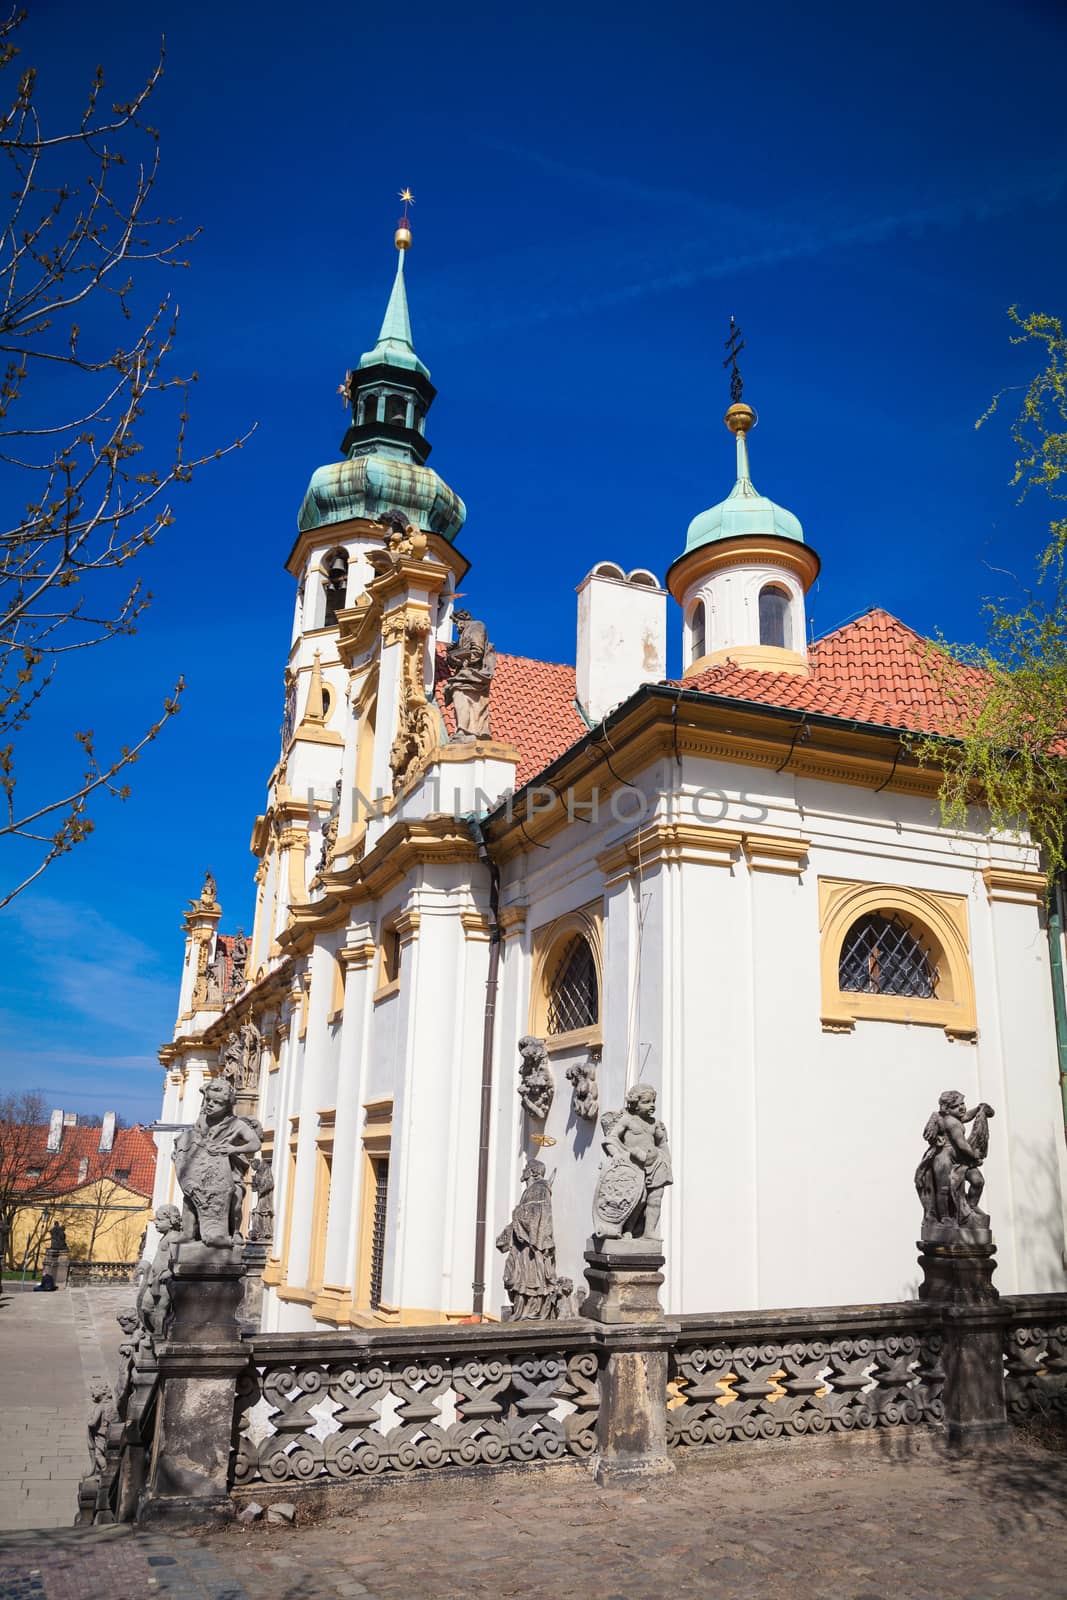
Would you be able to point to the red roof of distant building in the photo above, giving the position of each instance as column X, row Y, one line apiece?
column 133, row 1153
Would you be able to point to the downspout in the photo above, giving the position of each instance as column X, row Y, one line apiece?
column 488, row 1031
column 1059, row 1002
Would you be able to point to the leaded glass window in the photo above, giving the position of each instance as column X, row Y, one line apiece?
column 885, row 954
column 573, row 997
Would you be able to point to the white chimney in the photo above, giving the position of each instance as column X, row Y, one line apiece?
column 622, row 636
column 107, row 1131
column 55, row 1132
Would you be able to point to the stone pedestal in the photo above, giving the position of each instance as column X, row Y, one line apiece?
column 624, row 1277
column 199, row 1365
column 958, row 1275
column 57, row 1262
column 250, row 1311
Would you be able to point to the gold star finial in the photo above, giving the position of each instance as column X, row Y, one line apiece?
column 407, row 197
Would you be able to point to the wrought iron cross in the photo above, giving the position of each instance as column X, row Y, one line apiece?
column 733, row 347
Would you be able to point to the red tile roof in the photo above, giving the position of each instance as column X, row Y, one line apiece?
column 134, row 1150
column 875, row 670
column 531, row 705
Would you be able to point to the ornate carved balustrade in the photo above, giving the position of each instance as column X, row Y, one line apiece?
column 325, row 1406
column 1035, row 1356
column 782, row 1374
column 100, row 1272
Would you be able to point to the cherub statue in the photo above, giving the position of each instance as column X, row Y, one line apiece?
column 585, row 1101
column 101, row 1412
column 210, row 1160
column 153, row 1301
column 949, row 1179
column 536, row 1087
column 133, row 1335
column 629, row 1192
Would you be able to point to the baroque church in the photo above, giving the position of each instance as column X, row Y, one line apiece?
column 495, row 894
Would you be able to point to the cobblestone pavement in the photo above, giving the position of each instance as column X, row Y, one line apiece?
column 810, row 1525
column 51, row 1345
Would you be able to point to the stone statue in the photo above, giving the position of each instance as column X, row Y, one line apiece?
column 134, row 1336
column 57, row 1239
column 405, row 542
column 215, row 976
column 530, row 1268
column 949, row 1178
column 536, row 1087
column 418, row 721
column 629, row 1192
column 209, row 893
column 101, row 1412
column 261, row 1222
column 565, row 1301
column 585, row 1100
column 238, row 960
column 211, row 1159
column 472, row 662
column 153, row 1301
column 240, row 1057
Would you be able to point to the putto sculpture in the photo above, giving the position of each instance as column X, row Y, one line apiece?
column 536, row 1086
column 629, row 1191
column 153, row 1303
column 472, row 662
column 585, row 1099
column 210, row 1161
column 101, row 1413
column 949, row 1179
column 530, row 1244
column 261, row 1221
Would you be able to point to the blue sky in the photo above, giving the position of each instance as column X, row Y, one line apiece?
column 598, row 188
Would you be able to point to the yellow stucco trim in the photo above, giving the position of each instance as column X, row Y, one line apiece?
column 1016, row 887
column 772, row 852
column 943, row 918
column 756, row 657
column 670, row 841
column 763, row 550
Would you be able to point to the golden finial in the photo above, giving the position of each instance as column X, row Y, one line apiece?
column 402, row 237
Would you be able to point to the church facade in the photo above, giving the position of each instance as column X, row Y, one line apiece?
column 495, row 894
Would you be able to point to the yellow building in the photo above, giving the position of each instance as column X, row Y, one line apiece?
column 96, row 1183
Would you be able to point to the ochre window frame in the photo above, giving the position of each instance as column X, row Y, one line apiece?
column 548, row 944
column 377, row 1144
column 943, row 920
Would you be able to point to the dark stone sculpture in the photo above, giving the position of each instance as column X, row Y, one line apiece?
column 134, row 1339
column 101, row 1414
column 209, row 893
column 240, row 1057
column 536, row 1087
column 153, row 1303
column 472, row 662
column 528, row 1239
column 585, row 1100
column 238, row 961
column 261, row 1222
column 57, row 1239
column 949, row 1179
column 211, row 1159
column 629, row 1192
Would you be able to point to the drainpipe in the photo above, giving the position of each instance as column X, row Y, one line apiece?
column 1059, row 1003
column 488, row 1031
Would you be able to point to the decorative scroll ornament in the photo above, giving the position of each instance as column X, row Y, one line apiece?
column 629, row 1192
column 417, row 726
column 536, row 1087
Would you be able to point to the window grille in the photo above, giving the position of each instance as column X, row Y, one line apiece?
column 886, row 955
column 377, row 1243
column 573, row 1000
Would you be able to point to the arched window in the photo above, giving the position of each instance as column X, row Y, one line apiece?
column 335, row 586
column 370, row 408
column 573, row 994
column 887, row 954
column 774, row 617
column 697, row 632
column 396, row 409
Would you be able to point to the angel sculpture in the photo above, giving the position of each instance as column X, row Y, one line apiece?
column 629, row 1191
column 949, row 1179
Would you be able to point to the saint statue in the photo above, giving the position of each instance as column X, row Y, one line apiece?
column 472, row 662
column 209, row 892
column 57, row 1239
column 528, row 1240
column 261, row 1222
column 210, row 1160
column 629, row 1192
column 949, row 1179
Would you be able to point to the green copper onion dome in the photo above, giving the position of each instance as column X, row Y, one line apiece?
column 385, row 447
column 744, row 513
